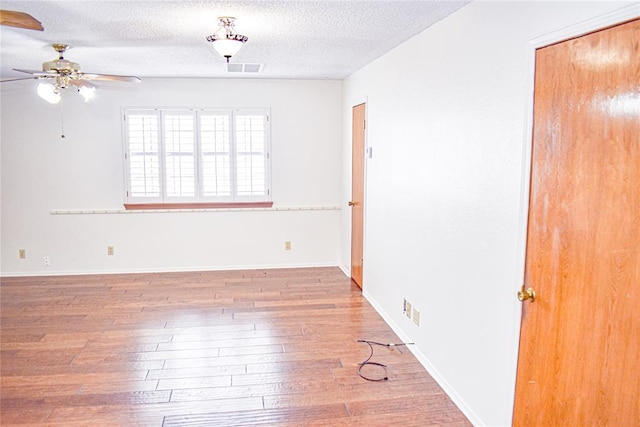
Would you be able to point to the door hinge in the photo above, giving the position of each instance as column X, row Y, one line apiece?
column 364, row 124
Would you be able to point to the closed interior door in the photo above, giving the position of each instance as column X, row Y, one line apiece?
column 580, row 339
column 357, row 193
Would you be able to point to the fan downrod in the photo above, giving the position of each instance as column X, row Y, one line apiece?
column 60, row 48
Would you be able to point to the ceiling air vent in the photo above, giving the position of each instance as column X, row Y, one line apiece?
column 244, row 68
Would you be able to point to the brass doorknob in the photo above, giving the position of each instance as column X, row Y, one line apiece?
column 352, row 203
column 529, row 294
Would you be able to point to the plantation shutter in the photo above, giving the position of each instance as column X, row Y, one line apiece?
column 215, row 146
column 143, row 155
column 190, row 156
column 251, row 154
column 179, row 129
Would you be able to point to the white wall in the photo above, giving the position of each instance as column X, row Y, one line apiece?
column 42, row 173
column 445, row 119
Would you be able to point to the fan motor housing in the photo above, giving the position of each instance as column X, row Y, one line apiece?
column 61, row 65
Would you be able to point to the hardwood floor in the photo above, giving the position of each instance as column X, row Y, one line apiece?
column 259, row 347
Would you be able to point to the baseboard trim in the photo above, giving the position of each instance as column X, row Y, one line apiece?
column 424, row 361
column 164, row 270
column 345, row 270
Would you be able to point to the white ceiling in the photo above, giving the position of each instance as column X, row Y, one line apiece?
column 308, row 39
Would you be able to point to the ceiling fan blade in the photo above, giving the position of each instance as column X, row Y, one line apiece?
column 110, row 77
column 20, row 78
column 37, row 72
column 81, row 83
column 20, row 20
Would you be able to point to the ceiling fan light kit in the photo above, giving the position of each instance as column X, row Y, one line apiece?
column 225, row 41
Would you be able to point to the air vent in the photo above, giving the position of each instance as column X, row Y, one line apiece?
column 244, row 68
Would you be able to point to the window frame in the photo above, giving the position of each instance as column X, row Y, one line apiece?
column 198, row 200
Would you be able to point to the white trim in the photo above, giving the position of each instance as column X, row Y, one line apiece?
column 162, row 270
column 365, row 188
column 138, row 211
column 579, row 29
column 426, row 363
column 596, row 23
column 345, row 270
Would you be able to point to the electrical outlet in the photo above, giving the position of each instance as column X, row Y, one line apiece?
column 408, row 311
column 22, row 253
column 416, row 317
column 47, row 261
column 287, row 245
column 109, row 250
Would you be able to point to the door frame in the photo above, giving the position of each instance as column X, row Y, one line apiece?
column 609, row 19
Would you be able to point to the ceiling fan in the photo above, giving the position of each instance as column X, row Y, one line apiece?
column 19, row 20
column 64, row 73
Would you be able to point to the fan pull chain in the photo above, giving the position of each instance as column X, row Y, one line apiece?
column 61, row 121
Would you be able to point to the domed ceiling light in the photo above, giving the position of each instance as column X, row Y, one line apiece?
column 225, row 41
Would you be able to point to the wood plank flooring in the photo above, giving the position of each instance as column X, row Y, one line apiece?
column 258, row 347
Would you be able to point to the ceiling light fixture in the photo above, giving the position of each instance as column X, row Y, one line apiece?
column 87, row 92
column 225, row 41
column 49, row 92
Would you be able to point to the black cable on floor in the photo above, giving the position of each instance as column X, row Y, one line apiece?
column 368, row 360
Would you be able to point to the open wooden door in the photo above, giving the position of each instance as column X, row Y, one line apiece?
column 357, row 193
column 580, row 338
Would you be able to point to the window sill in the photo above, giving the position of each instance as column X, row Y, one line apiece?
column 214, row 205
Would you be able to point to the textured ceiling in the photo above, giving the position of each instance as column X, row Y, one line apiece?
column 292, row 39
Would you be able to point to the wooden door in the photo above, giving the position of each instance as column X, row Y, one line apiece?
column 357, row 193
column 579, row 360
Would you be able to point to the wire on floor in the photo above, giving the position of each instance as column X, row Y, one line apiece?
column 369, row 362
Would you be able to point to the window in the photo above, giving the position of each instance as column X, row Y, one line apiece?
column 196, row 156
